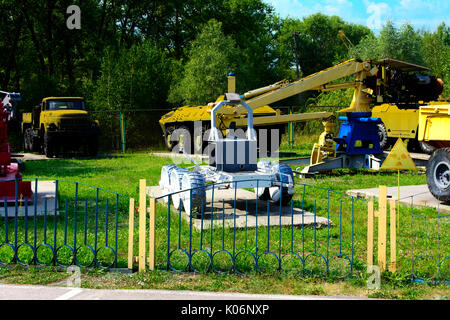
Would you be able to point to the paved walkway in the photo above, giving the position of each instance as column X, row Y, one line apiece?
column 29, row 292
column 418, row 195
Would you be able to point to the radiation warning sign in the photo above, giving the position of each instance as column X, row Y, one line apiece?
column 398, row 158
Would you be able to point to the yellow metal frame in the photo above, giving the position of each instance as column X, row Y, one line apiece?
column 434, row 122
column 399, row 123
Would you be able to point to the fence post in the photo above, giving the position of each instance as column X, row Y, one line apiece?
column 130, row 234
column 142, row 224
column 393, row 238
column 291, row 136
column 370, row 234
column 382, row 208
column 151, row 254
column 122, row 130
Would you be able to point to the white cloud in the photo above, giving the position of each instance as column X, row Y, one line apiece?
column 372, row 13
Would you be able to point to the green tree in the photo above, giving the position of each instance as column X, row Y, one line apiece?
column 132, row 79
column 436, row 54
column 397, row 43
column 135, row 78
column 318, row 46
column 318, row 41
column 210, row 57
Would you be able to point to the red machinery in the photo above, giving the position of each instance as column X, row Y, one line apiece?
column 9, row 172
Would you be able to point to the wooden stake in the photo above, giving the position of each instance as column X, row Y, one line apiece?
column 370, row 234
column 142, row 222
column 130, row 234
column 382, row 208
column 398, row 197
column 393, row 238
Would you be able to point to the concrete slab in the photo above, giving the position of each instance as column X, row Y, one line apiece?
column 420, row 193
column 33, row 157
column 246, row 211
column 45, row 190
column 40, row 157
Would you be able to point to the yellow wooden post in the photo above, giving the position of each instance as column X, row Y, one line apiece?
column 382, row 208
column 393, row 238
column 130, row 234
column 151, row 254
column 370, row 234
column 142, row 222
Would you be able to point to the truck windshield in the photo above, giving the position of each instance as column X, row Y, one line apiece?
column 65, row 104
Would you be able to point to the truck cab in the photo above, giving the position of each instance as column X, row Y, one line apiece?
column 60, row 124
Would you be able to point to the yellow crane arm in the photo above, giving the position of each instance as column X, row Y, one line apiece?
column 285, row 118
column 316, row 81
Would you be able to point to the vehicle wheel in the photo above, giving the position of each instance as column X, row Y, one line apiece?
column 194, row 199
column 438, row 174
column 185, row 136
column 48, row 146
column 263, row 193
column 200, row 142
column 264, row 166
column 168, row 138
column 34, row 143
column 180, row 137
column 56, row 149
column 176, row 176
column 382, row 133
column 425, row 147
column 420, row 146
column 93, row 147
column 285, row 175
column 26, row 141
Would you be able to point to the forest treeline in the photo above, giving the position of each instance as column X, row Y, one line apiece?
column 159, row 54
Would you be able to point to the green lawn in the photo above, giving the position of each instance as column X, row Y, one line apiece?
column 121, row 173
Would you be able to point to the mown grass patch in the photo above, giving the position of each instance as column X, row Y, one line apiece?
column 121, row 173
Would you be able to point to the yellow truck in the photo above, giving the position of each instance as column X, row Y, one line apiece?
column 60, row 124
column 434, row 129
column 407, row 87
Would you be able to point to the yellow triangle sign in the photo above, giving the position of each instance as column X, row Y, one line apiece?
column 398, row 158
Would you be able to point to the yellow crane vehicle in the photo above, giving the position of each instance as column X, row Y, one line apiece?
column 389, row 86
column 59, row 124
column 386, row 85
column 434, row 129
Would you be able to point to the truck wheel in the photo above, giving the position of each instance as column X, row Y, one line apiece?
column 425, row 147
column 167, row 138
column 200, row 142
column 420, row 146
column 26, row 141
column 183, row 134
column 382, row 133
column 438, row 174
column 286, row 176
column 194, row 183
column 49, row 148
column 93, row 148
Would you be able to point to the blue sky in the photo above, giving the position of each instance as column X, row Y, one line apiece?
column 422, row 14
